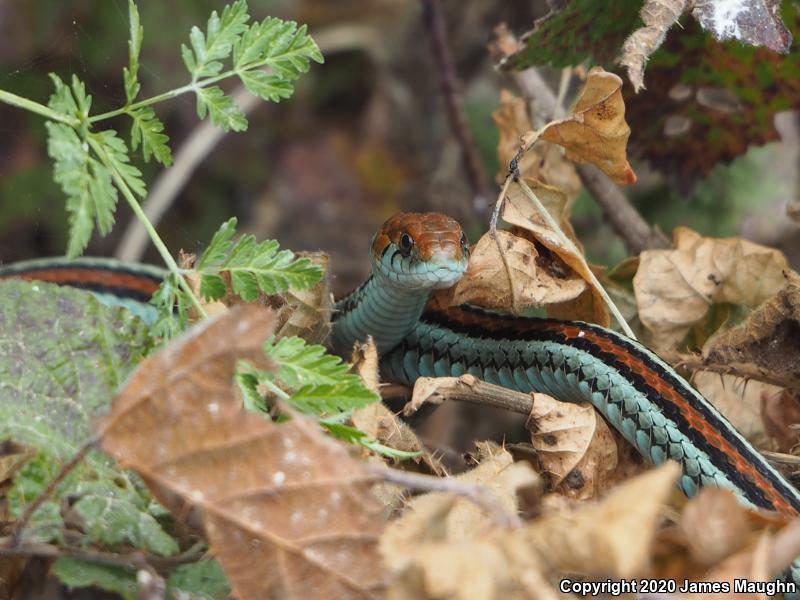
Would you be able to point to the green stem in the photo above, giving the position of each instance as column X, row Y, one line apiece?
column 567, row 243
column 151, row 231
column 189, row 87
column 274, row 389
column 39, row 109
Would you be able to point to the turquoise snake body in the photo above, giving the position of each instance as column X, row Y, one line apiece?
column 640, row 395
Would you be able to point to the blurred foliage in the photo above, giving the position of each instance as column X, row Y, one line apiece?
column 581, row 30
column 729, row 96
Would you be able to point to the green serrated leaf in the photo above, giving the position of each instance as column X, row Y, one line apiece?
column 353, row 435
column 247, row 381
column 265, row 86
column 131, row 72
column 76, row 573
column 203, row 580
column 82, row 99
column 253, row 267
column 321, row 382
column 62, row 99
column 221, row 107
column 212, row 287
column 86, row 182
column 222, row 32
column 117, row 154
column 326, row 399
column 171, row 305
column 219, row 247
column 148, row 130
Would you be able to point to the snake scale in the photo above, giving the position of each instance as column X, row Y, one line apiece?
column 640, row 395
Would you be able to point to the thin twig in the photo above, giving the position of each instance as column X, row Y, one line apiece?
column 746, row 371
column 66, row 469
column 627, row 222
column 133, row 560
column 476, row 493
column 467, row 388
column 451, row 90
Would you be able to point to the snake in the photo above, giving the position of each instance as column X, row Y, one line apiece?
column 413, row 254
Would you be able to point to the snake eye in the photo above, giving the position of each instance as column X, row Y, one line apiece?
column 406, row 242
column 463, row 239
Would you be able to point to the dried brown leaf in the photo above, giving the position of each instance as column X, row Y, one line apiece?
column 675, row 288
column 736, row 398
column 658, row 16
column 446, row 548
column 286, row 510
column 515, row 283
column 575, row 445
column 609, row 538
column 714, row 525
column 768, row 339
column 596, row 132
column 520, row 212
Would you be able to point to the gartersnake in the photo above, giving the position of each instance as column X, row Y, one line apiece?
column 640, row 395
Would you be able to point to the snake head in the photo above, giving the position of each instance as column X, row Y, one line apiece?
column 420, row 251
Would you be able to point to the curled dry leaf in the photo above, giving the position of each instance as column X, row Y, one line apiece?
column 520, row 212
column 675, row 288
column 768, row 338
column 286, row 510
column 575, row 445
column 658, row 16
column 597, row 131
column 611, row 538
column 511, row 281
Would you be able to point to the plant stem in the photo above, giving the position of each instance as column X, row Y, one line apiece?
column 551, row 222
column 151, row 231
column 35, row 107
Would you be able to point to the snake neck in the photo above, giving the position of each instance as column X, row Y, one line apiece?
column 378, row 308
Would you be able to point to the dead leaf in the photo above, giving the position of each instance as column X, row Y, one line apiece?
column 307, row 312
column 714, row 525
column 750, row 564
column 286, row 510
column 520, row 285
column 596, row 132
column 780, row 413
column 574, row 445
column 512, row 120
column 519, row 211
column 442, row 547
column 736, row 398
column 675, row 288
column 754, row 22
column 544, row 162
column 768, row 339
column 658, row 16
column 611, row 538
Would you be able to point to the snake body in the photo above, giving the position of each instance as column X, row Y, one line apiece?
column 640, row 395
